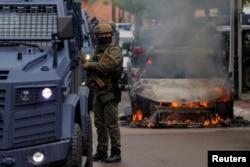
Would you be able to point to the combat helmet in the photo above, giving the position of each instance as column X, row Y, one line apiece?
column 102, row 28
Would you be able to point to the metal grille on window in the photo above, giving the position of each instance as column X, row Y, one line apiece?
column 28, row 21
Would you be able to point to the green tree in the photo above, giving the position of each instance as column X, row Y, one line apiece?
column 245, row 2
column 165, row 10
column 135, row 7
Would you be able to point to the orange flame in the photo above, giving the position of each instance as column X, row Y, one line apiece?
column 188, row 121
column 190, row 105
column 218, row 90
column 150, row 61
column 137, row 116
column 213, row 121
column 174, row 104
column 175, row 118
column 204, row 103
column 226, row 92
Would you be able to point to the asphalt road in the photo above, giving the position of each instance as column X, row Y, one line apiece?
column 186, row 147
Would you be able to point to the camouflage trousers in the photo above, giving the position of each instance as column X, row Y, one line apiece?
column 106, row 123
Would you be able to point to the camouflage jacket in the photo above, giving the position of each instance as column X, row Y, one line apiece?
column 106, row 60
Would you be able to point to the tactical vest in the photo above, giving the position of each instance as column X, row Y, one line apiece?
column 111, row 79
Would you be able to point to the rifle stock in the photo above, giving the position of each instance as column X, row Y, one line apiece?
column 94, row 78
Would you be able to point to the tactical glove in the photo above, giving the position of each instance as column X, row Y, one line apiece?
column 85, row 65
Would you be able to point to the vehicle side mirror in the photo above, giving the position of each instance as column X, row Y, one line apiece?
column 65, row 27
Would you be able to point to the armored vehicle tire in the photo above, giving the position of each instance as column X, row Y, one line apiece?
column 74, row 158
column 87, row 146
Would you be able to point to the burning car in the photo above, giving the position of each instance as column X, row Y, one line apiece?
column 180, row 85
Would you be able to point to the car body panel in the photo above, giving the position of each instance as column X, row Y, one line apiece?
column 179, row 90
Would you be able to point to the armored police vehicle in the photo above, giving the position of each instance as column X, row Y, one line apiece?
column 44, row 115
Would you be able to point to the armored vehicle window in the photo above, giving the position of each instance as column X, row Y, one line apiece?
column 25, row 22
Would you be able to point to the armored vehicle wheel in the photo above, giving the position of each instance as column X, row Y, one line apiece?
column 74, row 158
column 87, row 146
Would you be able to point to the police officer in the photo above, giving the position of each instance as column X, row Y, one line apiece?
column 107, row 64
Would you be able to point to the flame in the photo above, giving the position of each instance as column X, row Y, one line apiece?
column 174, row 118
column 223, row 92
column 189, row 105
column 226, row 99
column 134, row 73
column 137, row 116
column 218, row 90
column 206, row 123
column 204, row 103
column 188, row 121
column 177, row 118
column 174, row 104
column 205, row 119
column 149, row 61
column 213, row 121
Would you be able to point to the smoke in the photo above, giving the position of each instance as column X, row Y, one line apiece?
column 187, row 30
column 183, row 12
column 183, row 63
column 184, row 52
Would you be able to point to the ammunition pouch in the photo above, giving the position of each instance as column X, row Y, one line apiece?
column 107, row 97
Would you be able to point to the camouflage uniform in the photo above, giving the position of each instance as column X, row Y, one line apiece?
column 105, row 104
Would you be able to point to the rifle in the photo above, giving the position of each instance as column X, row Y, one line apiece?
column 92, row 77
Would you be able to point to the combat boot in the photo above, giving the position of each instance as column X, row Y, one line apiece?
column 100, row 156
column 115, row 155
